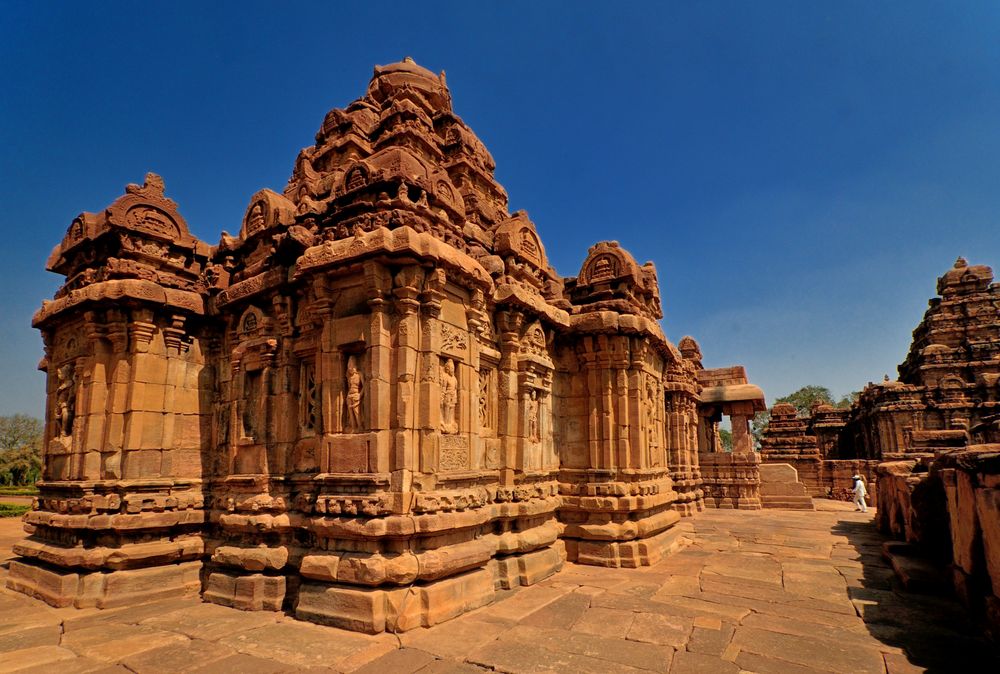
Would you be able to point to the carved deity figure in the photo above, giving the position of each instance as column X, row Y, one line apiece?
column 65, row 399
column 255, row 221
column 355, row 391
column 651, row 402
column 533, row 431
column 449, row 396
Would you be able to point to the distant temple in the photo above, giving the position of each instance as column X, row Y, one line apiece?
column 946, row 396
column 928, row 442
column 378, row 387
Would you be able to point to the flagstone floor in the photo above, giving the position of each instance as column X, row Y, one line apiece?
column 768, row 591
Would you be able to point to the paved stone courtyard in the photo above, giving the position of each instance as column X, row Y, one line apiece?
column 764, row 591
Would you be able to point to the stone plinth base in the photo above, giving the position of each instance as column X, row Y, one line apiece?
column 626, row 554
column 780, row 488
column 383, row 609
column 374, row 610
column 528, row 568
column 690, row 495
column 730, row 480
column 103, row 589
column 253, row 592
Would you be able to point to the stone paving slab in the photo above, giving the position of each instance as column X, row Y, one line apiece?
column 767, row 591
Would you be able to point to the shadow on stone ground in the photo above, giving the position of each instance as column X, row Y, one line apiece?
column 934, row 631
column 771, row 592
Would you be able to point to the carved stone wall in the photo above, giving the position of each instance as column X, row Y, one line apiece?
column 378, row 388
column 120, row 511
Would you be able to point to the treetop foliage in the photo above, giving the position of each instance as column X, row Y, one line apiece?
column 20, row 449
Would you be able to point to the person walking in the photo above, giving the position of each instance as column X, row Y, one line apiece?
column 859, row 494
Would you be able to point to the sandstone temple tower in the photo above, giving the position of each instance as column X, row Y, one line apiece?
column 375, row 406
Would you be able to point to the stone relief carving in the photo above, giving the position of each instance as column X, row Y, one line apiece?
column 309, row 397
column 251, row 403
column 454, row 453
column 533, row 432
column 222, row 424
column 151, row 220
column 651, row 401
column 256, row 218
column 65, row 400
column 485, row 398
column 449, row 396
column 452, row 339
column 529, row 245
column 249, row 323
column 603, row 269
column 355, row 393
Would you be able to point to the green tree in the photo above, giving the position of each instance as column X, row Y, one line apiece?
column 726, row 437
column 806, row 397
column 20, row 449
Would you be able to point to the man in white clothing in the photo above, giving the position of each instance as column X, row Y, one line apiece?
column 859, row 494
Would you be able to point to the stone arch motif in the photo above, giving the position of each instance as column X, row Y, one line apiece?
column 267, row 209
column 602, row 268
column 356, row 177
column 145, row 209
column 76, row 229
column 534, row 340
column 518, row 235
column 951, row 382
column 606, row 262
column 251, row 322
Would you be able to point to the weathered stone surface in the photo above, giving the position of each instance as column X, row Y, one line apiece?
column 126, row 640
column 785, row 627
column 379, row 380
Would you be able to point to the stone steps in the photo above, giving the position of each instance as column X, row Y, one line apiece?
column 787, row 502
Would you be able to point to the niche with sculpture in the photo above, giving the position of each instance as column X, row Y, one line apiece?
column 354, row 387
column 535, row 383
column 252, row 363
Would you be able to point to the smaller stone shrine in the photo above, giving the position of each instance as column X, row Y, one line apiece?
column 787, row 441
column 730, row 479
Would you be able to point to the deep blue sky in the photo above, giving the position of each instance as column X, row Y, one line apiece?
column 800, row 172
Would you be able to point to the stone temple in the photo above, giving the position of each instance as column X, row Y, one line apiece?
column 375, row 406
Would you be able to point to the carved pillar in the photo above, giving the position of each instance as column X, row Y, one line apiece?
column 742, row 440
column 508, row 422
column 379, row 386
column 407, row 308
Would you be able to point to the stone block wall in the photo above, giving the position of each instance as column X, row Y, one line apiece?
column 949, row 506
column 731, row 480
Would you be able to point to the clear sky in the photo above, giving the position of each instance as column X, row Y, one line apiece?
column 799, row 172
